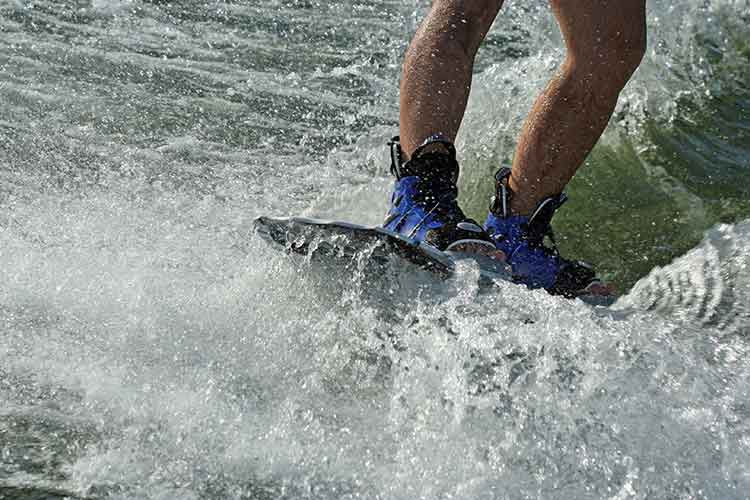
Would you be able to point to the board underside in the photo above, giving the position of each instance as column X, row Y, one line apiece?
column 345, row 241
column 341, row 243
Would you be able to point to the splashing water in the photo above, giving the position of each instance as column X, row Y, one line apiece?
column 152, row 347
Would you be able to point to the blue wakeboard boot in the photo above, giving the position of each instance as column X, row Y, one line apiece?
column 521, row 239
column 423, row 204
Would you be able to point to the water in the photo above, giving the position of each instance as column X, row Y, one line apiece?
column 151, row 347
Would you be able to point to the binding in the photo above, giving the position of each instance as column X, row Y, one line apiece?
column 424, row 207
column 401, row 168
column 522, row 239
column 397, row 156
column 539, row 223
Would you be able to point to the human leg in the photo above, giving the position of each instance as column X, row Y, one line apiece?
column 605, row 42
column 434, row 91
column 438, row 68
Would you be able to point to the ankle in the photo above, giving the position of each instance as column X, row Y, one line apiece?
column 523, row 202
column 437, row 143
column 435, row 147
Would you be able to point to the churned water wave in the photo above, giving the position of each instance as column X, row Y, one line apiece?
column 153, row 347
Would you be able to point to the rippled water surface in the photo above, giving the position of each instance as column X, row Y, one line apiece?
column 153, row 347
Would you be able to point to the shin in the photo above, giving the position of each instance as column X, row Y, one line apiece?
column 438, row 68
column 605, row 41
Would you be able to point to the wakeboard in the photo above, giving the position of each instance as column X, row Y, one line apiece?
column 341, row 243
column 344, row 241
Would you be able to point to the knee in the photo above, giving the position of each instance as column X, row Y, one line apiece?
column 464, row 23
column 605, row 37
column 623, row 55
column 611, row 62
